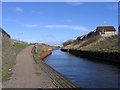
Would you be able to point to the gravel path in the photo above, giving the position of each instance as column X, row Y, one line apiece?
column 27, row 74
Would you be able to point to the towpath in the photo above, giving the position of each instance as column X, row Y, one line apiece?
column 27, row 74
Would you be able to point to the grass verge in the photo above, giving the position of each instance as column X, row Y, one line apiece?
column 21, row 45
column 5, row 72
column 35, row 56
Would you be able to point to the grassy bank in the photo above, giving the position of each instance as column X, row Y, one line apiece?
column 21, row 45
column 9, row 57
column 41, row 49
column 105, row 48
column 35, row 54
column 103, row 44
column 6, row 72
column 108, row 44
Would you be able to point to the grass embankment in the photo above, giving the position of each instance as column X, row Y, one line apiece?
column 105, row 48
column 41, row 51
column 9, row 59
column 35, row 54
column 101, row 44
column 108, row 44
column 75, row 45
column 6, row 72
column 21, row 45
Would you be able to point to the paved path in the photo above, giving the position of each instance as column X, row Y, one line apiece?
column 27, row 74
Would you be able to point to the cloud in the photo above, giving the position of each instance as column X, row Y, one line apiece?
column 75, row 3
column 72, row 27
column 104, row 22
column 113, row 7
column 18, row 9
column 30, row 25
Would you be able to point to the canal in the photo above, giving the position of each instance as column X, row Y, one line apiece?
column 84, row 72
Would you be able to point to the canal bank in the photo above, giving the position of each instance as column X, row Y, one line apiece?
column 84, row 72
column 101, row 56
column 57, row 78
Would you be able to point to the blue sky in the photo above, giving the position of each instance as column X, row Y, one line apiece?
column 55, row 22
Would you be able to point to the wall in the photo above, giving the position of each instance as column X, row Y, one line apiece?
column 108, row 33
column 101, row 56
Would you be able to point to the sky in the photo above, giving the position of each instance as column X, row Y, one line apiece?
column 55, row 22
column 60, row 0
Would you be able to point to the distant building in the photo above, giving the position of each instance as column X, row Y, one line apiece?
column 91, row 34
column 119, row 36
column 105, row 31
column 4, row 34
column 82, row 38
column 119, row 29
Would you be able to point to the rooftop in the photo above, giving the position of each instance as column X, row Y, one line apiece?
column 106, row 28
column 3, row 31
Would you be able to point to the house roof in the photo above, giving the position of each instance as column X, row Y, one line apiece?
column 4, row 32
column 106, row 28
column 119, row 27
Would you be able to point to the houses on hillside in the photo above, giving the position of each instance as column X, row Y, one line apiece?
column 103, row 31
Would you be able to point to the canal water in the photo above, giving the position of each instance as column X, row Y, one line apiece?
column 84, row 72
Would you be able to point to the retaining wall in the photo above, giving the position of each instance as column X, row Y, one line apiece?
column 103, row 56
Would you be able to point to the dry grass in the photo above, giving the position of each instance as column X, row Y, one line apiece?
column 108, row 44
column 97, row 43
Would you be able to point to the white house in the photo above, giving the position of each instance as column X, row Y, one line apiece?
column 105, row 31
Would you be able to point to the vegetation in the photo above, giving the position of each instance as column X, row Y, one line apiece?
column 78, row 44
column 39, row 49
column 35, row 54
column 9, row 56
column 104, row 44
column 108, row 44
column 21, row 45
column 6, row 70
